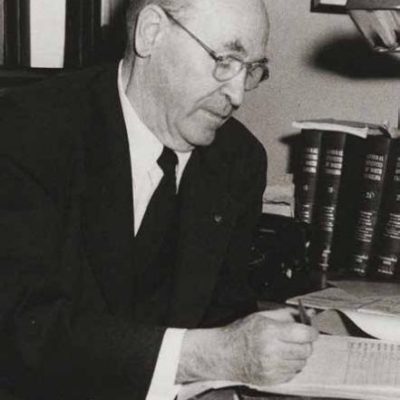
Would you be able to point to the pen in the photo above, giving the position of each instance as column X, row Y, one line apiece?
column 304, row 318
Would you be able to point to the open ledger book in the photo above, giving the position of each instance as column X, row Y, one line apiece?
column 342, row 366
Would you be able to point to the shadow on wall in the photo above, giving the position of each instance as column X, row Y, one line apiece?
column 351, row 57
column 293, row 142
column 347, row 57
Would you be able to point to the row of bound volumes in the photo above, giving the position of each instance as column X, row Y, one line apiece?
column 56, row 33
column 348, row 191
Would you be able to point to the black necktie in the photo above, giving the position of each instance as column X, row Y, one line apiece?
column 156, row 246
column 159, row 224
column 167, row 162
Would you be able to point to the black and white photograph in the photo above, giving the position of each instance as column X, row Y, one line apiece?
column 199, row 199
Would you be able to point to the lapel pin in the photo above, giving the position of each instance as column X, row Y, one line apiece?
column 217, row 218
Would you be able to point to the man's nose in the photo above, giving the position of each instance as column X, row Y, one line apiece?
column 234, row 88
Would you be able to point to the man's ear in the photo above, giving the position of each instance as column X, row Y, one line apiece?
column 149, row 26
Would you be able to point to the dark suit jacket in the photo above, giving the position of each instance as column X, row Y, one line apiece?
column 67, row 269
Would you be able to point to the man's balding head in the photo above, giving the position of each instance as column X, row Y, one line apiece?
column 176, row 54
column 178, row 8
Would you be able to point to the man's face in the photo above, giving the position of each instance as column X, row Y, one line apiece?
column 192, row 104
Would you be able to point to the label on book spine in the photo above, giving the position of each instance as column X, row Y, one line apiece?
column 387, row 250
column 306, row 176
column 377, row 151
column 332, row 152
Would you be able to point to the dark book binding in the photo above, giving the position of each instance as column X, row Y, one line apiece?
column 24, row 32
column 386, row 251
column 91, row 31
column 83, row 32
column 2, row 32
column 307, row 174
column 347, row 207
column 329, row 179
column 369, row 200
column 12, row 39
column 73, row 34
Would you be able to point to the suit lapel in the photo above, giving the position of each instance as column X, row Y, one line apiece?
column 108, row 201
column 207, row 217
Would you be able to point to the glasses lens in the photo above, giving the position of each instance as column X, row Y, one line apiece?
column 226, row 68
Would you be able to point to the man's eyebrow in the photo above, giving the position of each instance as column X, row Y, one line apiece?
column 235, row 46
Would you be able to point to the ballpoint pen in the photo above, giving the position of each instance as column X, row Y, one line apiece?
column 304, row 317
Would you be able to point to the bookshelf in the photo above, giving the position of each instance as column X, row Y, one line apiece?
column 20, row 76
column 42, row 38
column 348, row 192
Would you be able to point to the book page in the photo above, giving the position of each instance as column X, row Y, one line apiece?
column 362, row 288
column 350, row 368
column 336, row 298
column 376, row 315
column 382, row 326
column 382, row 305
column 331, row 298
column 340, row 367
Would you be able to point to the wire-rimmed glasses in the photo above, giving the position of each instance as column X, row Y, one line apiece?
column 229, row 66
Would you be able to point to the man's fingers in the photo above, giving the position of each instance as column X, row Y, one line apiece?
column 282, row 314
column 295, row 366
column 296, row 351
column 298, row 333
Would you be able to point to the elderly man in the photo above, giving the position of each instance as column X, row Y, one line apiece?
column 128, row 200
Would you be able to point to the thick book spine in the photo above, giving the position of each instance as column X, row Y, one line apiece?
column 73, row 34
column 12, row 38
column 91, row 32
column 376, row 156
column 307, row 174
column 83, row 35
column 2, row 33
column 347, row 207
column 387, row 249
column 331, row 166
column 25, row 32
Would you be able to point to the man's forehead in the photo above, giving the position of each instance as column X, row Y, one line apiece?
column 233, row 25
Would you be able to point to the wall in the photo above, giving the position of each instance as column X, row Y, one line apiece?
column 320, row 67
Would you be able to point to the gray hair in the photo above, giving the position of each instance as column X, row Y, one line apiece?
column 175, row 7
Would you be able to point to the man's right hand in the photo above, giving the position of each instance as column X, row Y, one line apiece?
column 264, row 348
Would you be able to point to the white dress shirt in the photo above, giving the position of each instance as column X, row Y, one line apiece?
column 144, row 149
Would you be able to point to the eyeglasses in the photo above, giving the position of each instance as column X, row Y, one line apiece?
column 229, row 66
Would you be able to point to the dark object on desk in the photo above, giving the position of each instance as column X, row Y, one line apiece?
column 279, row 265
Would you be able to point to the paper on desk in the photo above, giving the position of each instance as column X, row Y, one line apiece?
column 340, row 367
column 376, row 315
column 362, row 288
